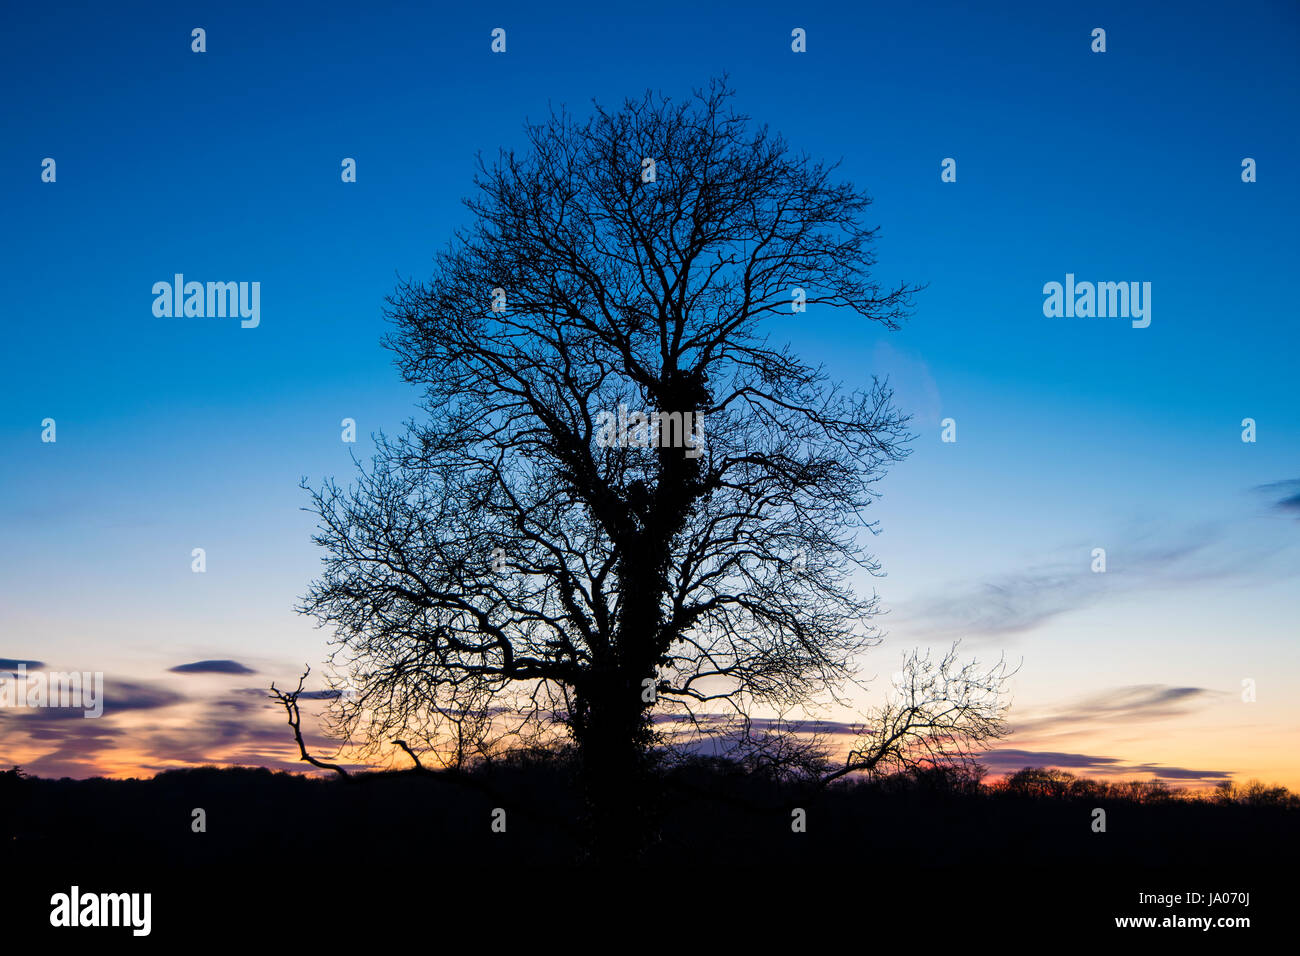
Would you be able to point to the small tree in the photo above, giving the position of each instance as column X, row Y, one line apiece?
column 942, row 715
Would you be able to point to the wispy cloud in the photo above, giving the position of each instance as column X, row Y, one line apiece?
column 1006, row 761
column 1285, row 495
column 1020, row 601
column 119, row 697
column 1128, row 705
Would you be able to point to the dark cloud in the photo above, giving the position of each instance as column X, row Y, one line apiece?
column 236, row 704
column 122, row 696
column 711, row 722
column 70, row 731
column 118, row 697
column 1285, row 494
column 213, row 667
column 204, row 742
column 1018, row 759
column 1003, row 761
column 262, row 693
column 10, row 664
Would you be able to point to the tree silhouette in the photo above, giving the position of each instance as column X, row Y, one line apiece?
column 516, row 561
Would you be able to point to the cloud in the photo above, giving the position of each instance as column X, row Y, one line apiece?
column 118, row 697
column 64, row 742
column 1020, row 601
column 261, row 693
column 229, row 729
column 239, row 727
column 1132, row 704
column 731, row 722
column 213, row 667
column 1008, row 605
column 70, row 731
column 1286, row 493
column 10, row 664
column 76, row 748
column 1008, row 761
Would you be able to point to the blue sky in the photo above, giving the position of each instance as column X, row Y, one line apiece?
column 1072, row 433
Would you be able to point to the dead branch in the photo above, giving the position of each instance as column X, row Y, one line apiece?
column 290, row 704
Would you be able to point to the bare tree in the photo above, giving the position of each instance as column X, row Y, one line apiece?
column 517, row 553
column 939, row 716
column 943, row 714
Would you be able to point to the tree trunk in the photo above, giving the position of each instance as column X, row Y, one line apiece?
column 613, row 733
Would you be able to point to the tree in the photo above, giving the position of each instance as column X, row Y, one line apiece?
column 942, row 715
column 623, row 506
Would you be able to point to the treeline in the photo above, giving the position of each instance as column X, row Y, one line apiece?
column 1036, row 782
column 1051, row 783
column 1048, row 782
column 525, row 808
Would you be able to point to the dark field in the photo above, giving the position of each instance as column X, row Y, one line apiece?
column 282, row 840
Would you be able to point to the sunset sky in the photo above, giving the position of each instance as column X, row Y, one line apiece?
column 1072, row 433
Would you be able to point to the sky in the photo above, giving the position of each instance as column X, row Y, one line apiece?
column 1072, row 433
